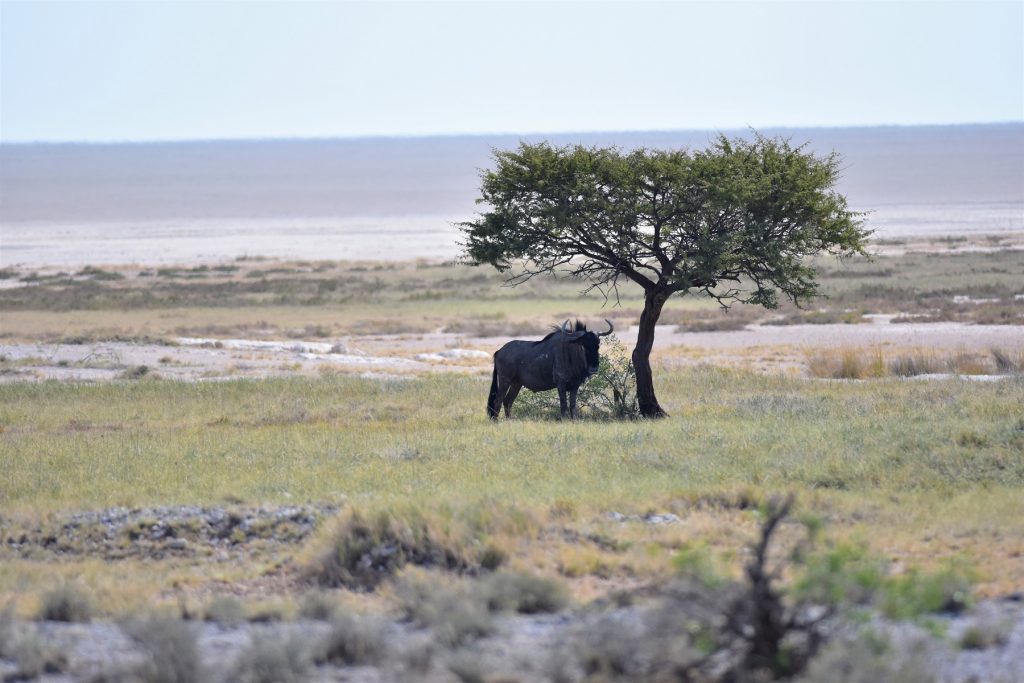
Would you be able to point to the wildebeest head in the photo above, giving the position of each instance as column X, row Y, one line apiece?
column 590, row 341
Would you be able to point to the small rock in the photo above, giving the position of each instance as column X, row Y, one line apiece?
column 667, row 518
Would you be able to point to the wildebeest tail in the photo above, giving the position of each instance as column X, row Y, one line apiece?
column 492, row 398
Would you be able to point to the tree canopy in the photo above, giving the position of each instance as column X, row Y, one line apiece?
column 735, row 222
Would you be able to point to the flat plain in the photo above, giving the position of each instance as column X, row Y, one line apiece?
column 197, row 439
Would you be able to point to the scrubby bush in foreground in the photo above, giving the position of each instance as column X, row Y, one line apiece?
column 368, row 548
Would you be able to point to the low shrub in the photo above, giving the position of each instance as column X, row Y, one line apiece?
column 67, row 603
column 864, row 659
column 821, row 317
column 170, row 649
column 32, row 656
column 915, row 593
column 453, row 612
column 847, row 575
column 271, row 658
column 985, row 634
column 352, row 641
column 318, row 606
column 846, row 363
column 696, row 562
column 844, row 574
column 225, row 610
column 370, row 547
column 1007, row 362
column 137, row 372
column 522, row 593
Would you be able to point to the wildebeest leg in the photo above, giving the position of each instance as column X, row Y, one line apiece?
column 561, row 400
column 498, row 397
column 513, row 391
column 572, row 404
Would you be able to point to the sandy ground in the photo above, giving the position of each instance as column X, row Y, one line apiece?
column 760, row 347
column 66, row 245
column 160, row 243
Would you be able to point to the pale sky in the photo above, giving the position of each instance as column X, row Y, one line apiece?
column 112, row 71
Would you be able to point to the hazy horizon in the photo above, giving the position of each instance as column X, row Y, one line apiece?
column 711, row 130
column 180, row 201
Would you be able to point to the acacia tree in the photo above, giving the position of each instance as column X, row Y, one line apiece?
column 735, row 222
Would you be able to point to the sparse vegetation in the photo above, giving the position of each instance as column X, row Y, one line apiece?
column 170, row 650
column 318, row 605
column 865, row 659
column 861, row 363
column 137, row 372
column 449, row 608
column 68, row 602
column 225, row 610
column 368, row 549
column 818, row 317
column 271, row 658
column 353, row 641
column 523, row 593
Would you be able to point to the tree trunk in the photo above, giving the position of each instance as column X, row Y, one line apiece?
column 654, row 300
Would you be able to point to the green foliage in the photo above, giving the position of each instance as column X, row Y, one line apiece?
column 741, row 214
column 916, row 592
column 844, row 574
column 696, row 562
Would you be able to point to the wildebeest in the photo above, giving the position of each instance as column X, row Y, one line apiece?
column 564, row 360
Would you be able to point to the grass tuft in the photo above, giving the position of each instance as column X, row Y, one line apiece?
column 353, row 641
column 225, row 610
column 450, row 609
column 846, row 363
column 171, row 651
column 271, row 658
column 368, row 548
column 522, row 593
column 68, row 603
column 318, row 605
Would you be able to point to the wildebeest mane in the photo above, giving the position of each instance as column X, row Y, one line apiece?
column 579, row 327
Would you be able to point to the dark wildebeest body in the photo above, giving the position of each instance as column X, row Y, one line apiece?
column 562, row 360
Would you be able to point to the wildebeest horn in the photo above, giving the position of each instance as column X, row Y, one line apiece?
column 565, row 326
column 611, row 328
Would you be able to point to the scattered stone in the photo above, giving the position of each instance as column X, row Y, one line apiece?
column 117, row 533
column 653, row 518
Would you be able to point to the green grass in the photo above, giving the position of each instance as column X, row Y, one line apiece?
column 921, row 472
column 326, row 439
